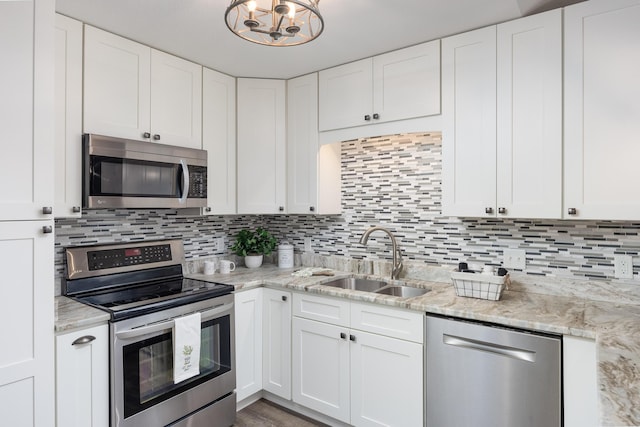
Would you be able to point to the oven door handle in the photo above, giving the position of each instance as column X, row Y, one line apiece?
column 168, row 324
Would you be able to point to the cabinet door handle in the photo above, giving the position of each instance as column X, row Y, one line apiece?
column 47, row 229
column 352, row 338
column 84, row 340
column 208, row 209
column 572, row 211
column 47, row 210
column 502, row 210
column 284, row 298
column 343, row 335
column 156, row 137
column 312, row 209
column 376, row 116
column 76, row 209
column 367, row 117
column 488, row 210
column 146, row 135
column 281, row 208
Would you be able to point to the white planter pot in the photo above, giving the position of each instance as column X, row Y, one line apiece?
column 253, row 261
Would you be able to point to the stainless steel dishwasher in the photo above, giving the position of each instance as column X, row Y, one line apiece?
column 479, row 375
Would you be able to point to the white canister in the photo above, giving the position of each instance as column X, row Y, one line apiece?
column 285, row 255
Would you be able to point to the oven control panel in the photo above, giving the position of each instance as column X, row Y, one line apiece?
column 122, row 257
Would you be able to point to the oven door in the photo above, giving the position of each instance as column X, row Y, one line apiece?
column 142, row 388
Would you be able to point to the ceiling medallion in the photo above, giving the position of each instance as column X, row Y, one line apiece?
column 275, row 22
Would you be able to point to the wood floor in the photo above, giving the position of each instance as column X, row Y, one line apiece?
column 266, row 414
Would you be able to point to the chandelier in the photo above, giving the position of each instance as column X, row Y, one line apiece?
column 275, row 22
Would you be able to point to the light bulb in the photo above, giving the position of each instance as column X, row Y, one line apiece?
column 292, row 10
column 252, row 5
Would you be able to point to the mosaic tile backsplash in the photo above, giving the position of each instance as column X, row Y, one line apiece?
column 394, row 182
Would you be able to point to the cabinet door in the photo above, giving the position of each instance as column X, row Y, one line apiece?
column 26, row 108
column 602, row 113
column 68, row 121
column 82, row 378
column 261, row 146
column 406, row 82
column 469, row 123
column 219, row 139
column 346, row 95
column 321, row 367
column 529, row 131
column 26, row 315
column 276, row 343
column 387, row 380
column 176, row 101
column 116, row 85
column 248, row 314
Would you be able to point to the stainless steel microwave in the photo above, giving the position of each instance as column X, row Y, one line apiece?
column 122, row 173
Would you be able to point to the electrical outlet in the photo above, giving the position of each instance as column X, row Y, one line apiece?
column 220, row 244
column 515, row 258
column 623, row 265
column 307, row 244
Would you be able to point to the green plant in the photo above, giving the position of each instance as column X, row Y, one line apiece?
column 258, row 242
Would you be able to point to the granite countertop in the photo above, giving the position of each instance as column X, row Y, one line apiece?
column 615, row 327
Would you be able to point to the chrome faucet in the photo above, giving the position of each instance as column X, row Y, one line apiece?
column 397, row 256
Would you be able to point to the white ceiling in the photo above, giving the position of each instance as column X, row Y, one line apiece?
column 354, row 29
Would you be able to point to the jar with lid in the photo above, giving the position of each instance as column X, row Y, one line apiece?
column 285, row 255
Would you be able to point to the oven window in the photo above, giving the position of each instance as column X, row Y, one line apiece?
column 112, row 176
column 148, row 365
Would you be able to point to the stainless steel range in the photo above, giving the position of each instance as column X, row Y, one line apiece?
column 142, row 286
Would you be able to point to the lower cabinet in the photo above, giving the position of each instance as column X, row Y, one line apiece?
column 248, row 315
column 82, row 378
column 343, row 370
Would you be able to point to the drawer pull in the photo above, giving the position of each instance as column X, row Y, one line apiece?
column 84, row 340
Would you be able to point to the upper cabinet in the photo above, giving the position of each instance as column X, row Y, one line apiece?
column 313, row 171
column 261, row 146
column 219, row 139
column 602, row 112
column 502, row 124
column 68, row 121
column 398, row 85
column 133, row 91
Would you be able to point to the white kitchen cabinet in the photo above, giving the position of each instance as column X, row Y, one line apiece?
column 248, row 318
column 359, row 363
column 219, row 139
column 261, row 146
column 509, row 163
column 276, row 342
column 313, row 171
column 399, row 85
column 82, row 378
column 580, row 382
column 68, row 119
column 26, row 311
column 26, row 107
column 133, row 91
column 601, row 110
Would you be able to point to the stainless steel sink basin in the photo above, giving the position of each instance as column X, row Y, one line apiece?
column 402, row 291
column 357, row 284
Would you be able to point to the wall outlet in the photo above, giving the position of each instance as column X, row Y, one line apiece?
column 515, row 258
column 220, row 244
column 623, row 265
column 307, row 244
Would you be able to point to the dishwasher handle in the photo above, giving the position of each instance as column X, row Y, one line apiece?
column 514, row 353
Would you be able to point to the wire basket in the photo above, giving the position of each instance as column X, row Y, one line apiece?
column 479, row 285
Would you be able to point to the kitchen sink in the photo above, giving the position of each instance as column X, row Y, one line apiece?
column 357, row 284
column 402, row 291
column 377, row 286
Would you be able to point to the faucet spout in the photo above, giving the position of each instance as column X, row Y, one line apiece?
column 397, row 255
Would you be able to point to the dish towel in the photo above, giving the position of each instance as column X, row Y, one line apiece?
column 186, row 347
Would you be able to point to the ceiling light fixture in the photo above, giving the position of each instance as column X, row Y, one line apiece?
column 275, row 22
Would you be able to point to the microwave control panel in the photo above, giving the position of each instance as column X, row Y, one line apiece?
column 198, row 182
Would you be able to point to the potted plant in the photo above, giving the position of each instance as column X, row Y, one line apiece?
column 253, row 245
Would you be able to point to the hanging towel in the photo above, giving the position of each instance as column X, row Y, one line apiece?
column 186, row 347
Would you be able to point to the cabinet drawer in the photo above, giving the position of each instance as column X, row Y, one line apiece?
column 387, row 321
column 322, row 309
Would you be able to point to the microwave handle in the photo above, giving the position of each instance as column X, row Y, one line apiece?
column 167, row 324
column 185, row 181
